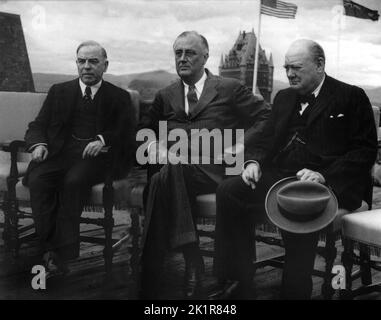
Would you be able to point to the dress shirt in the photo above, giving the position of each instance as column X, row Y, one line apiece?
column 315, row 93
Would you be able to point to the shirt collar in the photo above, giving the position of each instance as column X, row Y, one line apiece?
column 199, row 84
column 317, row 90
column 94, row 88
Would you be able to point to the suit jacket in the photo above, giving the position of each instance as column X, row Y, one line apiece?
column 340, row 130
column 223, row 104
column 115, row 121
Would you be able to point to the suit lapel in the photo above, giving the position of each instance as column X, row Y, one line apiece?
column 323, row 101
column 288, row 108
column 176, row 98
column 69, row 99
column 207, row 95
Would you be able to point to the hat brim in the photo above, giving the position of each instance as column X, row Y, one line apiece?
column 276, row 217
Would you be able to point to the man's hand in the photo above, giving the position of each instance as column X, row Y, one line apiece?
column 40, row 153
column 92, row 149
column 157, row 153
column 309, row 175
column 251, row 174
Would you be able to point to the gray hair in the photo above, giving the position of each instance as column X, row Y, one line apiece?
column 91, row 43
column 204, row 42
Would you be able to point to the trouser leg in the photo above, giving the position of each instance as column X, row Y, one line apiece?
column 74, row 191
column 233, row 244
column 238, row 207
column 169, row 221
column 58, row 189
column 299, row 264
column 43, row 182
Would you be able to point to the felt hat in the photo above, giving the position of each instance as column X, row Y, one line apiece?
column 300, row 206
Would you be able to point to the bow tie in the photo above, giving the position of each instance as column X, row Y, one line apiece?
column 308, row 98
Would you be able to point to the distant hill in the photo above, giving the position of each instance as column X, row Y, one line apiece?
column 374, row 96
column 374, row 93
column 148, row 83
column 43, row 81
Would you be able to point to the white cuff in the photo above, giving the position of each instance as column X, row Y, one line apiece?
column 101, row 138
column 246, row 163
column 36, row 145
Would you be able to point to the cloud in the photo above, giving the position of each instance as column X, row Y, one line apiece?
column 138, row 35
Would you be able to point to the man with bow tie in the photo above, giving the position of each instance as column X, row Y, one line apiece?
column 198, row 100
column 320, row 130
column 85, row 128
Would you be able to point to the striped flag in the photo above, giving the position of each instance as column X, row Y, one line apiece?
column 278, row 9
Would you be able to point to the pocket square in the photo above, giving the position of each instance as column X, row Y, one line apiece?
column 338, row 116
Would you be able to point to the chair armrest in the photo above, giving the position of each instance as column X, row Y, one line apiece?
column 14, row 147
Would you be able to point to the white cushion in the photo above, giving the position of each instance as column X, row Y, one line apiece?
column 336, row 224
column 364, row 227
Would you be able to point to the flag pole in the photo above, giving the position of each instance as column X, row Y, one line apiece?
column 255, row 71
column 338, row 45
column 338, row 53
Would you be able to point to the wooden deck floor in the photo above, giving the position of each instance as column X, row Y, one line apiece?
column 86, row 280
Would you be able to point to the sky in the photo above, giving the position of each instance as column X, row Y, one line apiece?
column 138, row 34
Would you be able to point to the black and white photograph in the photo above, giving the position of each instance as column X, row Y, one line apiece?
column 215, row 151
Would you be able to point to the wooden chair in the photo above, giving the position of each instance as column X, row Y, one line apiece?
column 105, row 195
column 16, row 111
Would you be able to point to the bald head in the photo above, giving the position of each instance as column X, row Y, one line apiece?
column 308, row 47
column 304, row 64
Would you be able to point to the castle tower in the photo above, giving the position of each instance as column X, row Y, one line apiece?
column 15, row 71
column 239, row 64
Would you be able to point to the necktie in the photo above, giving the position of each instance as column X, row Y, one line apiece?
column 87, row 96
column 192, row 98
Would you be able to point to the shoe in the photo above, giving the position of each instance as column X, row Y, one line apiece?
column 225, row 290
column 53, row 267
column 231, row 290
column 192, row 279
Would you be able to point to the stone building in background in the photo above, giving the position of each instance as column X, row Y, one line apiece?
column 15, row 71
column 239, row 64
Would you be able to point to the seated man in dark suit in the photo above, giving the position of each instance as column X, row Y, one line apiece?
column 320, row 130
column 85, row 128
column 199, row 100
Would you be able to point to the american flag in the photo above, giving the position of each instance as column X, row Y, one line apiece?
column 278, row 9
